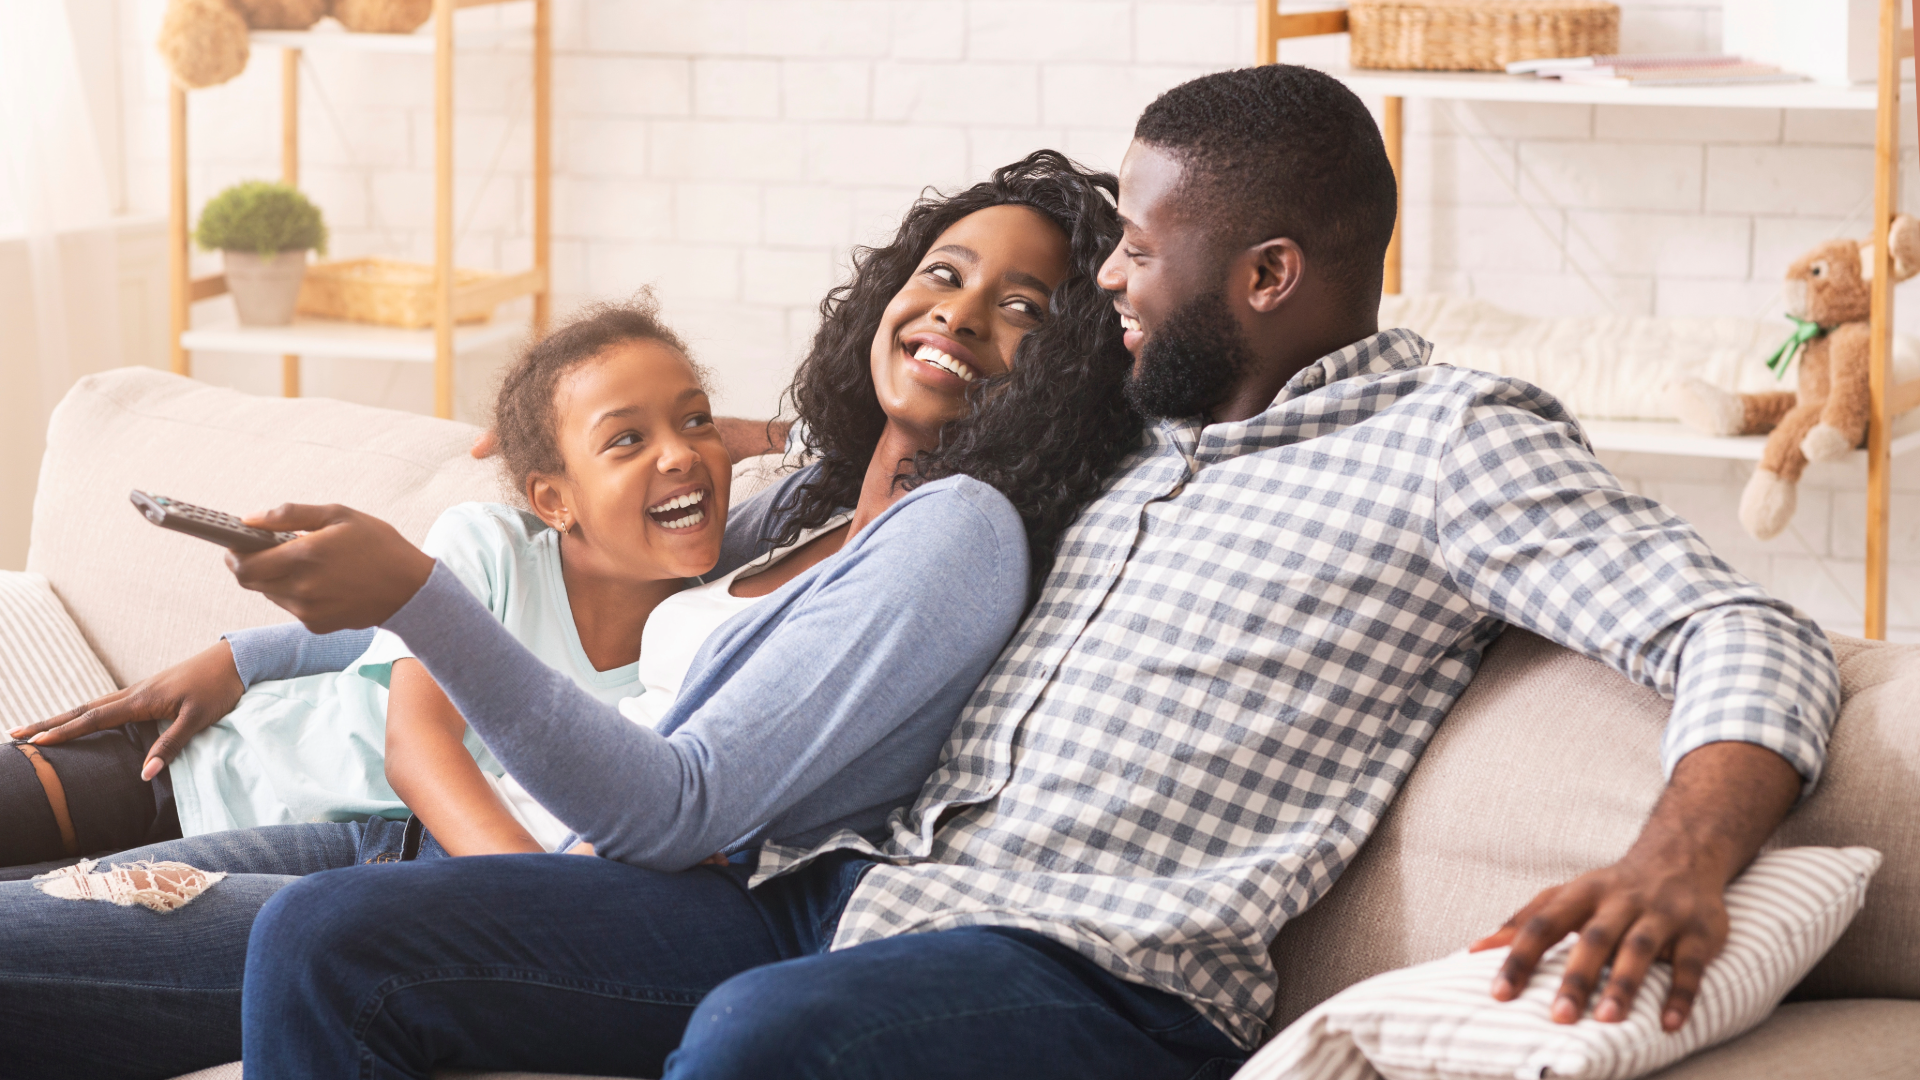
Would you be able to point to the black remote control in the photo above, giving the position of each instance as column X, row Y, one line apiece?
column 223, row 529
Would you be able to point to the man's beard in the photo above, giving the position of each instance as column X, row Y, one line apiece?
column 1191, row 362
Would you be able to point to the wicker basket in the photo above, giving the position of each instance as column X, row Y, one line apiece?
column 387, row 292
column 1478, row 35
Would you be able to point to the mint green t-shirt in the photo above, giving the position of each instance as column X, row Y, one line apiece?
column 314, row 748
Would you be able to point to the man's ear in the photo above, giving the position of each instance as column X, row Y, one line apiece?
column 1277, row 265
column 549, row 499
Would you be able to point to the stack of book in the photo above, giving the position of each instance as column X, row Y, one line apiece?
column 1655, row 70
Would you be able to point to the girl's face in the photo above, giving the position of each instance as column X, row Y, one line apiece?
column 980, row 288
column 645, row 492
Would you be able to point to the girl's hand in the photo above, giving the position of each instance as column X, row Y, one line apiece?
column 350, row 571
column 194, row 693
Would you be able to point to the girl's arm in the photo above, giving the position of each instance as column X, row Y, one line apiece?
column 436, row 777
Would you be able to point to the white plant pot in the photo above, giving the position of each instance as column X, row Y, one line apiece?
column 265, row 287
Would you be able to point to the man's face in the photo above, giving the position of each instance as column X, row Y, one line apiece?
column 1169, row 280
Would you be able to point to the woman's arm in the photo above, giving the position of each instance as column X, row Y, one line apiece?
column 434, row 775
column 901, row 625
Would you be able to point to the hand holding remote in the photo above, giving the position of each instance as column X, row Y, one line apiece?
column 351, row 570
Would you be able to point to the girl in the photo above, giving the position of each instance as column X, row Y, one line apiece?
column 609, row 438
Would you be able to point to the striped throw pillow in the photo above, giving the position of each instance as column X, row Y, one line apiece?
column 1438, row 1020
column 45, row 665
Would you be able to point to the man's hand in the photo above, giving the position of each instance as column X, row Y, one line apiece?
column 1665, row 900
column 194, row 694
column 350, row 571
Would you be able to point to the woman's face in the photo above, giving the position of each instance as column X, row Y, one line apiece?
column 645, row 492
column 976, row 292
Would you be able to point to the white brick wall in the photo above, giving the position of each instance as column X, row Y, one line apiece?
column 731, row 152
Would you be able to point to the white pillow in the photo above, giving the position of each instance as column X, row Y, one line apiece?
column 1438, row 1021
column 45, row 665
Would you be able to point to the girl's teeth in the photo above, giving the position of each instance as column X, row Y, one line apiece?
column 689, row 499
column 687, row 522
column 931, row 355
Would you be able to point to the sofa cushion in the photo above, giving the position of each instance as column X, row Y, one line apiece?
column 45, row 665
column 1436, row 1020
column 1547, row 767
column 1817, row 1040
column 146, row 597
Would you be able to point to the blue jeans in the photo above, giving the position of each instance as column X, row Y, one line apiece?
column 568, row 964
column 91, row 989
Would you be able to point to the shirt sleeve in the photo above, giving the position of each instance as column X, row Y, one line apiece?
column 1539, row 534
column 921, row 600
column 290, row 651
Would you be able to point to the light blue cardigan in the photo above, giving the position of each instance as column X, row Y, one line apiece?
column 821, row 708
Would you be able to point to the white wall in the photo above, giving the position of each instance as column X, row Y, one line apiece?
column 732, row 151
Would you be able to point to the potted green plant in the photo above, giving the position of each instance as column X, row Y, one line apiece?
column 263, row 232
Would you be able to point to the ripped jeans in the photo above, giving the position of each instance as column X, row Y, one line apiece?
column 92, row 989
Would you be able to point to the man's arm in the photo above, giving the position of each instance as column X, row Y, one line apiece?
column 1540, row 535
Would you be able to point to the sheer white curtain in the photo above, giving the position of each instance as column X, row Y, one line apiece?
column 54, row 199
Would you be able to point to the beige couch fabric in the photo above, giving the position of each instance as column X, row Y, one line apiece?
column 1818, row 1040
column 145, row 597
column 1547, row 767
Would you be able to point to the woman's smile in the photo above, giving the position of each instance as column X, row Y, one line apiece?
column 944, row 354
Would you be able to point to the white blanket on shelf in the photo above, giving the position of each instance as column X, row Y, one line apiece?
column 1608, row 367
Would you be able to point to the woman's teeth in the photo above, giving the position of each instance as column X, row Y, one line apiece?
column 1128, row 322
column 931, row 355
column 685, row 521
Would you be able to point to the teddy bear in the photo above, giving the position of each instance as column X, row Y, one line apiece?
column 1828, row 297
column 204, row 42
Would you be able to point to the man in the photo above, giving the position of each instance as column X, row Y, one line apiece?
column 1243, row 647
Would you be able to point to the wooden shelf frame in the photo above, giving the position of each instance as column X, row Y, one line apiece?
column 535, row 282
column 1273, row 27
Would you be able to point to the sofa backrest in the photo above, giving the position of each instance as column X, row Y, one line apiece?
column 147, row 597
column 1548, row 766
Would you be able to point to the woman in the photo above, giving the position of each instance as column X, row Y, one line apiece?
column 971, row 360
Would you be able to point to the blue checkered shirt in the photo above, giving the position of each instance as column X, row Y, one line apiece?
column 1250, row 636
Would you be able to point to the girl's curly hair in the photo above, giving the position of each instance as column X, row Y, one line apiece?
column 525, row 421
column 1047, row 434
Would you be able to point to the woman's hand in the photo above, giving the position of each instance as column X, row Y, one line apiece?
column 194, row 694
column 350, row 571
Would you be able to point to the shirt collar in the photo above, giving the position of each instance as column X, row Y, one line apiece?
column 1384, row 352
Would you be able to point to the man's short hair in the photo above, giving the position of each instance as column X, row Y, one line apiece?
column 1277, row 151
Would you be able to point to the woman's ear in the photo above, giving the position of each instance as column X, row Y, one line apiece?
column 549, row 499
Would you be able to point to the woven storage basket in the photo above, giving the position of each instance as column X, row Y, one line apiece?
column 1478, row 35
column 385, row 291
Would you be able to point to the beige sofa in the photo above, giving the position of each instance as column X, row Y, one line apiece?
column 1545, row 769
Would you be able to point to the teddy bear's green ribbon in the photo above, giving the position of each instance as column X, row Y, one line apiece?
column 1803, row 332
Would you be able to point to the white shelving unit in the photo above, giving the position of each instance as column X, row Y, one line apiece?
column 1882, row 98
column 332, row 339
column 1487, row 86
column 441, row 342
column 1678, row 440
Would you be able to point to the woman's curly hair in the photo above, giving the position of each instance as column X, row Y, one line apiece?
column 1047, row 434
